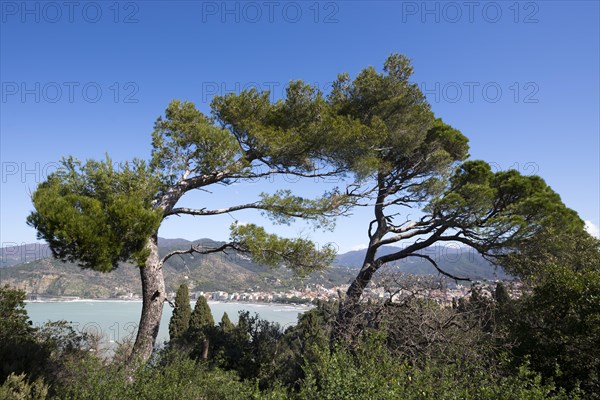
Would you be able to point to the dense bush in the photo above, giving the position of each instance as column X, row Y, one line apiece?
column 19, row 350
column 16, row 387
column 180, row 378
column 251, row 348
column 372, row 372
column 37, row 352
column 556, row 323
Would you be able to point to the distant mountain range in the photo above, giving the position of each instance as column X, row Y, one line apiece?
column 462, row 262
column 32, row 268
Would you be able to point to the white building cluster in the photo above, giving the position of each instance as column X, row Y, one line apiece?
column 312, row 293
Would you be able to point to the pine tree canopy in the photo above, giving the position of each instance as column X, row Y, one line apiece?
column 97, row 214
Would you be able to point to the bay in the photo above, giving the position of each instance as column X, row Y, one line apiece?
column 116, row 320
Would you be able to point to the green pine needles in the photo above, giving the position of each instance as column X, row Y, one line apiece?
column 97, row 214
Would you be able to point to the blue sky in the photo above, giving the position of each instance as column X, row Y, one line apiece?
column 520, row 79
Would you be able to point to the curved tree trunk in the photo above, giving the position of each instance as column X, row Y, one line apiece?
column 345, row 324
column 357, row 287
column 153, row 298
column 350, row 305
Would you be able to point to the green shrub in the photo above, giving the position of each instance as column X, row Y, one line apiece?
column 16, row 387
column 556, row 324
column 372, row 372
column 179, row 378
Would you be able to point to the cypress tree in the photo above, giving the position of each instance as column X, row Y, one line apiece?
column 180, row 321
column 226, row 325
column 201, row 325
column 501, row 294
column 201, row 318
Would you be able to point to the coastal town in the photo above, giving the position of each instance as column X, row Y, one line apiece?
column 312, row 294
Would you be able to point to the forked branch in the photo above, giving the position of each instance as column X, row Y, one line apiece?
column 200, row 250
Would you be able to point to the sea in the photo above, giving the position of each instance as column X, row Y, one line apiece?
column 117, row 320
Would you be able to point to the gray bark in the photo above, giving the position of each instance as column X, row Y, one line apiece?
column 153, row 299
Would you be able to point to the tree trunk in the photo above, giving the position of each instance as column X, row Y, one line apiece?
column 205, row 349
column 344, row 328
column 153, row 298
column 357, row 287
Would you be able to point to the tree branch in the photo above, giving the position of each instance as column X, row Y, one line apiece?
column 199, row 250
column 405, row 235
column 413, row 247
column 441, row 271
column 204, row 211
column 482, row 249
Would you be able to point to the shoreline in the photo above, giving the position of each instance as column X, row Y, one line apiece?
column 116, row 300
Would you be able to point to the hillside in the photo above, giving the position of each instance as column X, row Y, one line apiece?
column 32, row 268
column 458, row 261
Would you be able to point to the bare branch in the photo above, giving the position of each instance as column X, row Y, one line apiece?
column 484, row 250
column 371, row 228
column 204, row 211
column 441, row 271
column 406, row 235
column 199, row 250
column 406, row 226
column 198, row 181
column 419, row 245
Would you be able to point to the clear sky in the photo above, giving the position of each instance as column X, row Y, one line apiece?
column 520, row 79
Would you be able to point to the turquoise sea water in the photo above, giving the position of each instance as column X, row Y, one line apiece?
column 115, row 320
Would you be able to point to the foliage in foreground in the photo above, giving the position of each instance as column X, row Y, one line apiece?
column 557, row 324
column 16, row 387
column 181, row 378
column 540, row 346
column 370, row 372
column 36, row 352
column 374, row 373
